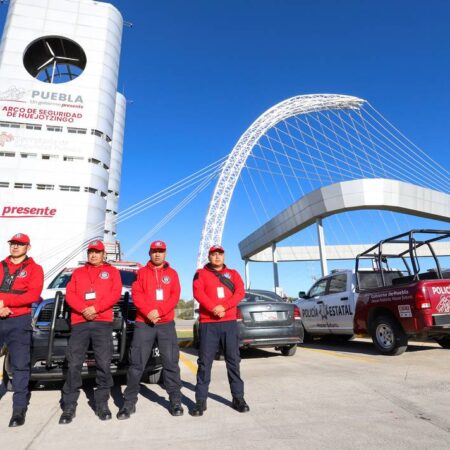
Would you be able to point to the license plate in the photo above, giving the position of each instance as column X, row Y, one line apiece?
column 266, row 316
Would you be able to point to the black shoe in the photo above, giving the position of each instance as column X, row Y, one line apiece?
column 240, row 405
column 197, row 410
column 176, row 409
column 125, row 412
column 103, row 412
column 18, row 417
column 67, row 415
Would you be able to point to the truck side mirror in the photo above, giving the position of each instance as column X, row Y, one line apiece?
column 302, row 294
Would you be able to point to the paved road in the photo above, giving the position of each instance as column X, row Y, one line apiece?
column 324, row 397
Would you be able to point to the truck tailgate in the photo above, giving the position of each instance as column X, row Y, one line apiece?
column 438, row 292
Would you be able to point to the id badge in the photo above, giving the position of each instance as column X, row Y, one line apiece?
column 220, row 292
column 159, row 295
column 90, row 296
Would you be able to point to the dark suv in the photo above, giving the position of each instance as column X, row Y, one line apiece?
column 51, row 332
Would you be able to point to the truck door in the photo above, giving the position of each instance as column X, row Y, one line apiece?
column 312, row 307
column 339, row 300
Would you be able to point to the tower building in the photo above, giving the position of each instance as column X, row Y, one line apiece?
column 61, row 126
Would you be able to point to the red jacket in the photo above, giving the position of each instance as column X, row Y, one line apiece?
column 30, row 279
column 144, row 292
column 206, row 292
column 104, row 280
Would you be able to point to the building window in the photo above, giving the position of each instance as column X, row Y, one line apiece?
column 76, row 130
column 45, row 187
column 49, row 156
column 72, row 158
column 54, row 128
column 22, row 185
column 97, row 133
column 102, row 194
column 4, row 184
column 94, row 161
column 69, row 188
column 90, row 190
column 8, row 154
column 32, row 126
column 28, row 155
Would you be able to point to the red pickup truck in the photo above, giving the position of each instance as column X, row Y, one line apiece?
column 408, row 294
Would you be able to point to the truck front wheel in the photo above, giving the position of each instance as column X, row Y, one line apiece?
column 388, row 336
column 444, row 342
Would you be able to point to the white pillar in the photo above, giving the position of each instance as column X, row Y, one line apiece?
column 247, row 273
column 322, row 250
column 276, row 282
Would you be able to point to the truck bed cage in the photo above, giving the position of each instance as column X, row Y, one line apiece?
column 375, row 253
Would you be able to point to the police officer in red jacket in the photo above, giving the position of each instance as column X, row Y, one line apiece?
column 218, row 290
column 91, row 294
column 155, row 294
column 21, row 281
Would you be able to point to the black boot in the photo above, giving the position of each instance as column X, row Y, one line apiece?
column 197, row 410
column 103, row 412
column 240, row 405
column 175, row 408
column 18, row 417
column 126, row 411
column 67, row 415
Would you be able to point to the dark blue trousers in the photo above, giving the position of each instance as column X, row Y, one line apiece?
column 144, row 337
column 15, row 332
column 212, row 337
column 100, row 335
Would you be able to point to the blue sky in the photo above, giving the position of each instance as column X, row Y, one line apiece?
column 199, row 72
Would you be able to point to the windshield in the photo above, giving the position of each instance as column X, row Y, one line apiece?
column 61, row 281
column 262, row 297
column 127, row 277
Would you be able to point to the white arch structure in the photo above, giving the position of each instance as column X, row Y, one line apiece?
column 220, row 201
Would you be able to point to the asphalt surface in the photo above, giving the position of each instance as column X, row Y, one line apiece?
column 327, row 396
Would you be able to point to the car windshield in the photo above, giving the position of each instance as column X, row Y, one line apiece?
column 61, row 281
column 262, row 297
column 127, row 277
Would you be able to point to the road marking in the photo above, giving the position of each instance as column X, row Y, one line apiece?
column 189, row 364
column 344, row 356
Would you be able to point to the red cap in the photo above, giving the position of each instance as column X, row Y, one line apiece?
column 20, row 238
column 96, row 245
column 158, row 245
column 216, row 248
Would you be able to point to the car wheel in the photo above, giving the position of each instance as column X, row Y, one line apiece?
column 307, row 338
column 289, row 350
column 152, row 377
column 388, row 336
column 219, row 356
column 7, row 381
column 444, row 342
column 195, row 339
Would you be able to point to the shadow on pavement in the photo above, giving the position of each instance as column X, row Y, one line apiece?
column 246, row 353
column 211, row 395
column 359, row 347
